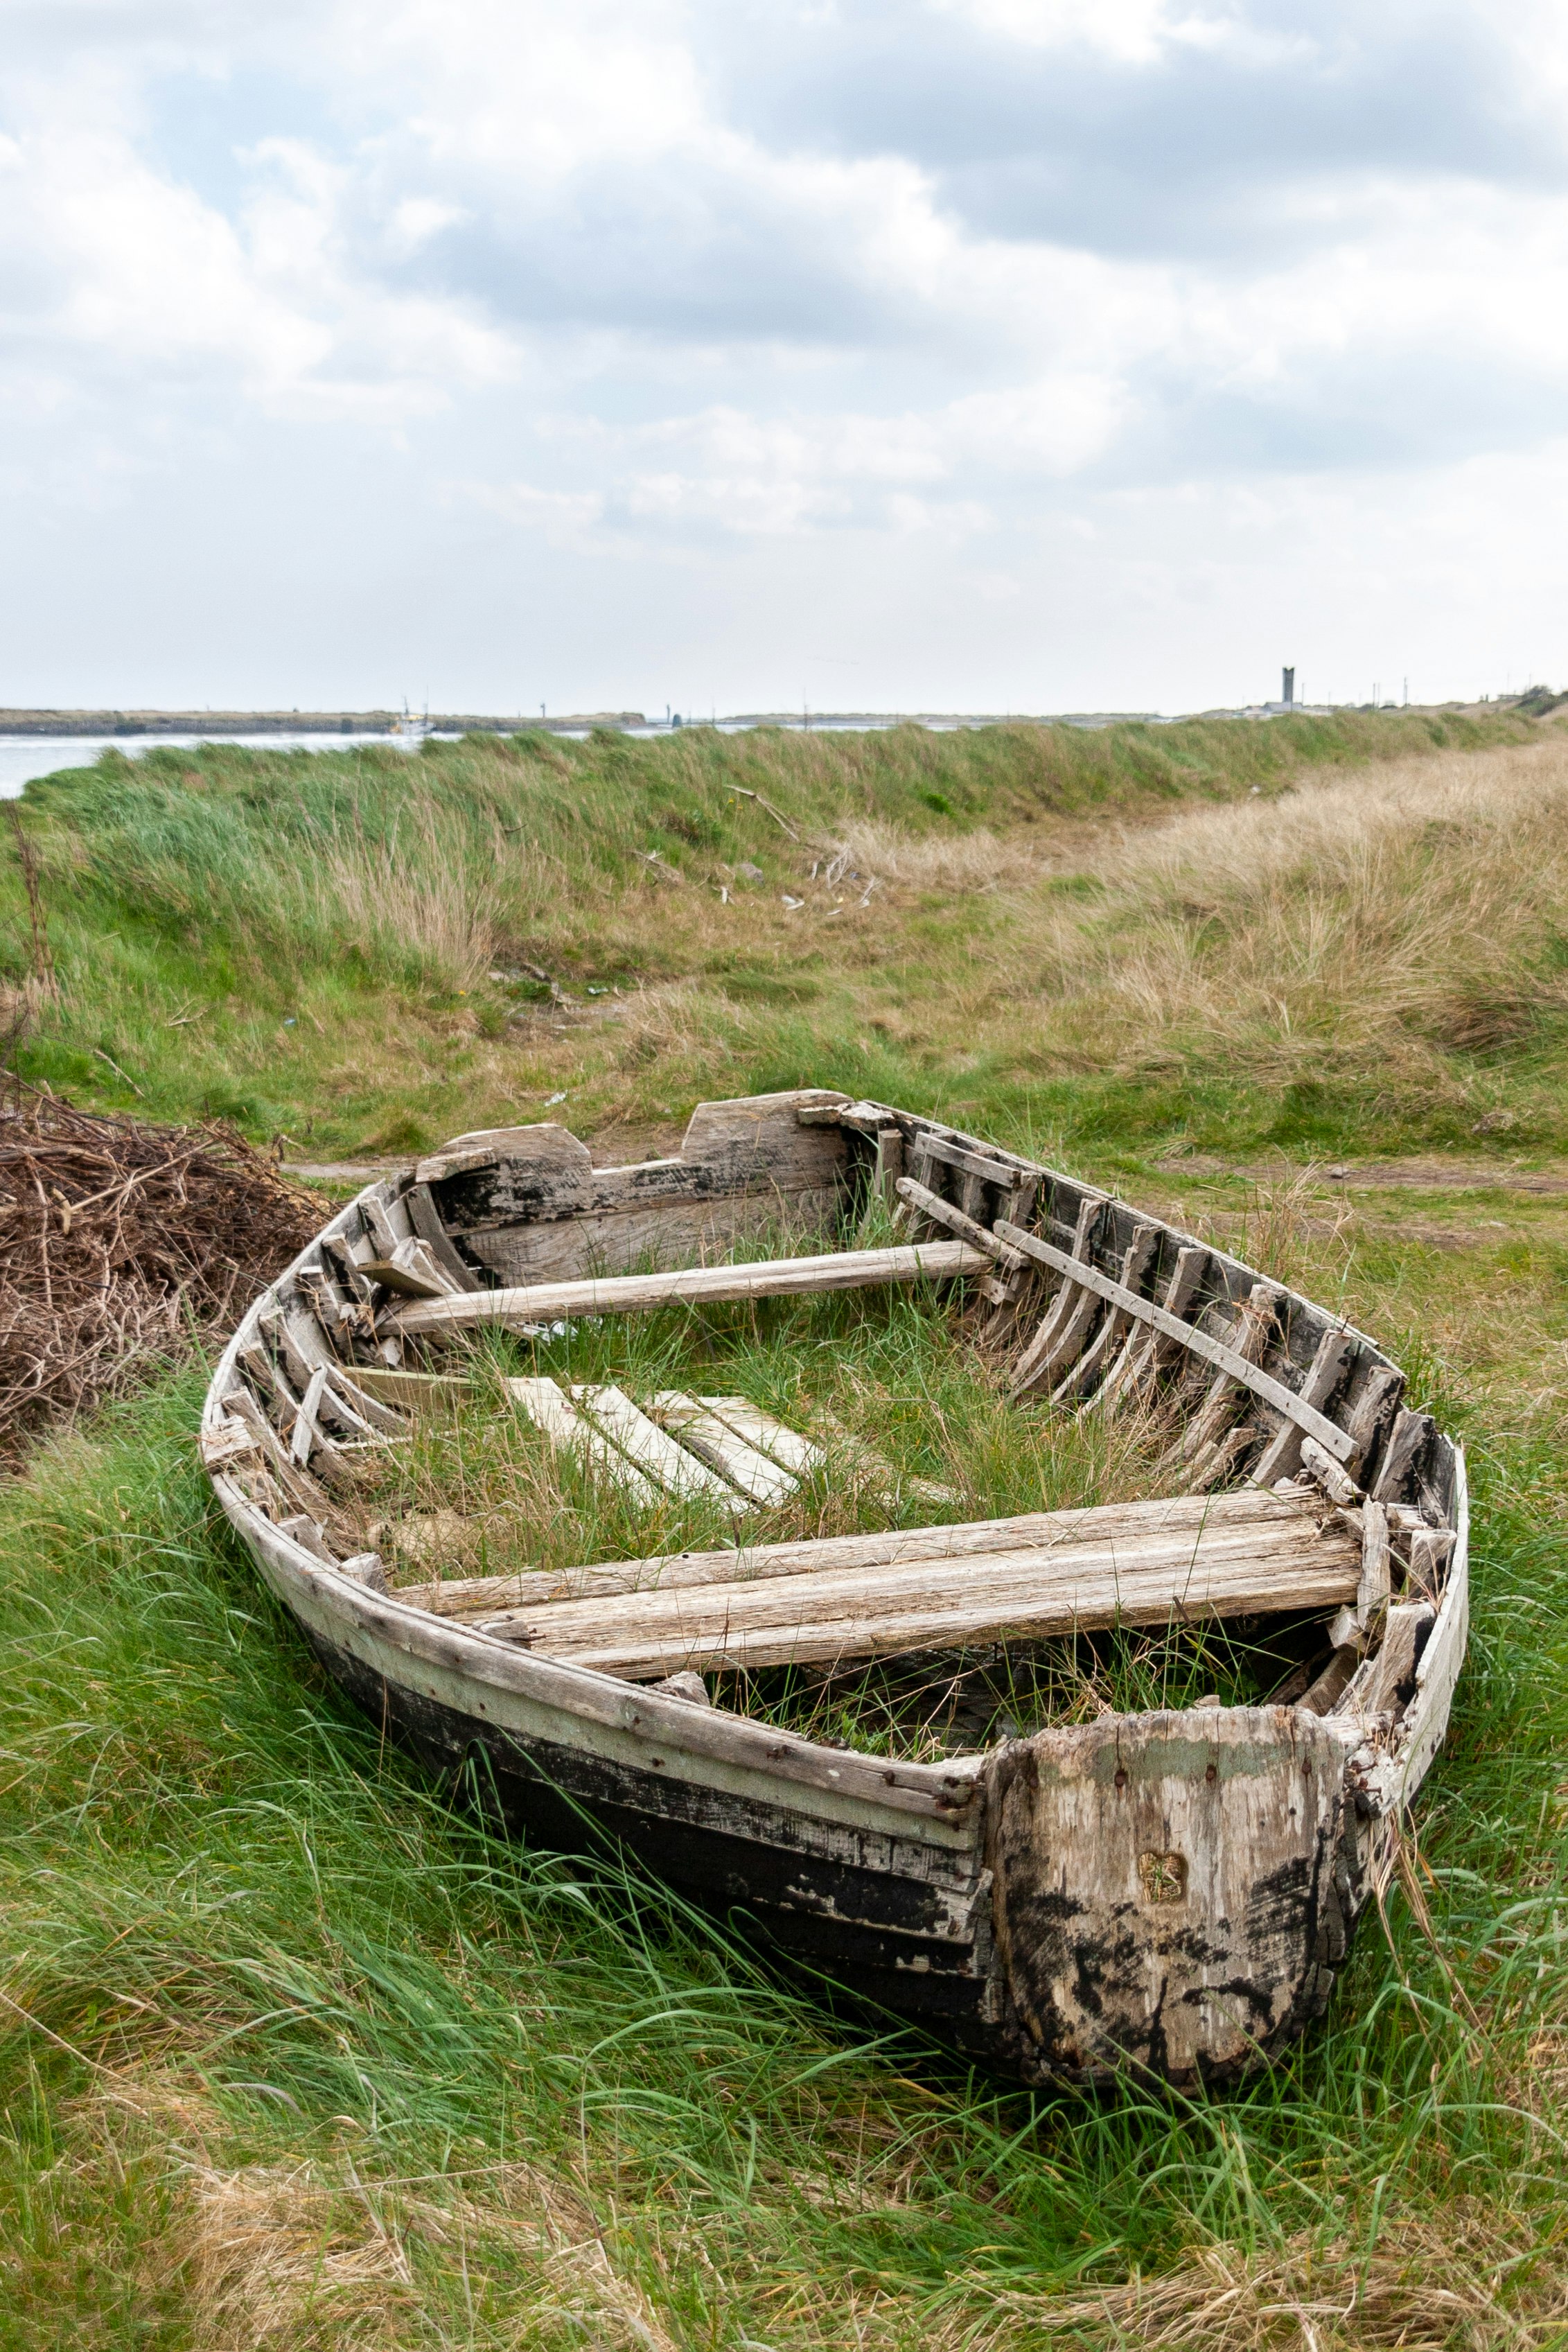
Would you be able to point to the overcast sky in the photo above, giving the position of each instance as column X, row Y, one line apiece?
column 921, row 354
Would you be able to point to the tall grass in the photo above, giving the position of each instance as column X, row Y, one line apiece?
column 365, row 951
column 291, row 2054
column 1422, row 909
column 418, row 868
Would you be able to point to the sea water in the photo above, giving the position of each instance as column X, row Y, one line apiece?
column 23, row 757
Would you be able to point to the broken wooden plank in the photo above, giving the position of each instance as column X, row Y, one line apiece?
column 551, row 1410
column 416, row 1392
column 775, row 1277
column 1371, row 1417
column 1335, row 1352
column 1430, row 1551
column 1248, row 1511
column 1371, row 1698
column 546, row 1154
column 1337, row 1483
column 1247, row 1514
column 1407, row 1450
column 758, row 1429
column 413, row 1271
column 1214, row 1351
column 957, row 1220
column 362, row 1417
column 653, row 1451
column 1393, row 1781
column 1210, row 1441
column 886, row 1168
column 301, row 1487
column 1147, row 1353
column 1073, row 1336
column 1354, row 1627
column 751, row 1474
column 386, row 1219
column 969, row 1160
column 1027, row 1593
column 430, row 1227
column 1092, row 1362
column 1033, row 1365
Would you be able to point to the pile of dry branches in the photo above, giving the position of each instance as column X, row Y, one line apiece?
column 117, row 1242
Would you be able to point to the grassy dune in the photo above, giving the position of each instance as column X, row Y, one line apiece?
column 1033, row 922
column 290, row 2055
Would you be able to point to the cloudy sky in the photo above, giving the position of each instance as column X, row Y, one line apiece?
column 942, row 354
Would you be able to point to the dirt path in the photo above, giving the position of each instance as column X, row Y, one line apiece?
column 1430, row 1175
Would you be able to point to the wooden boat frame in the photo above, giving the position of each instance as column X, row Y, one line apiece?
column 1171, row 1892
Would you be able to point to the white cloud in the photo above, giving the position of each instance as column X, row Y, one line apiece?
column 571, row 257
column 1133, row 31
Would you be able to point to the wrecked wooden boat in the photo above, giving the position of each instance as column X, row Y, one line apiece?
column 1170, row 1891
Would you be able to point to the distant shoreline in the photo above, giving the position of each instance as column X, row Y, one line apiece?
column 284, row 722
column 349, row 724
column 18, row 725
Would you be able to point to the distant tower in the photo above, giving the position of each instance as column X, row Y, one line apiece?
column 1287, row 689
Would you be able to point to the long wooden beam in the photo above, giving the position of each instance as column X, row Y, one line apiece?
column 1251, row 1512
column 1025, row 1593
column 626, row 1294
column 1338, row 1441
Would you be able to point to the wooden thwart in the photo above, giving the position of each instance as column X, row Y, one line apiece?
column 1214, row 1351
column 780, row 1277
column 1248, row 1513
column 1027, row 1592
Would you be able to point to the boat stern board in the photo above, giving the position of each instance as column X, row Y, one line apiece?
column 1168, row 1889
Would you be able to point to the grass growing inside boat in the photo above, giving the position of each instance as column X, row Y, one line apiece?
column 892, row 1376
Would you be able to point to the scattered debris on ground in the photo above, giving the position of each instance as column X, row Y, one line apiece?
column 118, row 1241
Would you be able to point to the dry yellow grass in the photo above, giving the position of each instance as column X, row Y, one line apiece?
column 1402, row 927
column 1416, row 904
column 1390, row 936
column 1428, row 2286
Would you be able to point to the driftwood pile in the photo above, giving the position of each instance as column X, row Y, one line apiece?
column 118, row 1242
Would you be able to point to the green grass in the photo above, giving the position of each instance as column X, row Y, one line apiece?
column 341, row 948
column 896, row 1375
column 291, row 2054
column 281, row 2024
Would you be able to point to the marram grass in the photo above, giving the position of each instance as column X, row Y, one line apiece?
column 1089, row 937
column 291, row 2052
column 292, row 2048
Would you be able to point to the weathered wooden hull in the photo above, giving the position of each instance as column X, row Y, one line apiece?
column 1169, row 1892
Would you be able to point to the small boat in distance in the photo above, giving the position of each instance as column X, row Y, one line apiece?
column 408, row 730
column 1169, row 1890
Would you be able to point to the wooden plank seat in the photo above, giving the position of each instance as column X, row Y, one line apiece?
column 1027, row 1592
column 530, row 1304
column 1181, row 1557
